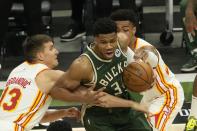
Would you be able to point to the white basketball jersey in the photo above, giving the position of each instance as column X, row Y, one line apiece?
column 22, row 104
column 164, row 77
column 165, row 98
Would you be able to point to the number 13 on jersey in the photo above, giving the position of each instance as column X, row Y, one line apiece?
column 10, row 98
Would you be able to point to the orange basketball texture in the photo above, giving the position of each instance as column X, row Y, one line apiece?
column 138, row 76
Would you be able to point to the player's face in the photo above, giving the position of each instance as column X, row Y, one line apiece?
column 49, row 55
column 127, row 28
column 105, row 45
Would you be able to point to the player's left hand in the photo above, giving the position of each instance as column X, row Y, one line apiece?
column 149, row 55
column 141, row 54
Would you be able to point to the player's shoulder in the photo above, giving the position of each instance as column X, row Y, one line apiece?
column 81, row 62
column 50, row 74
column 81, row 68
column 142, row 42
column 145, row 45
column 46, row 79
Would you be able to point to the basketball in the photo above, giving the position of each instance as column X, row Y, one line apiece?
column 138, row 76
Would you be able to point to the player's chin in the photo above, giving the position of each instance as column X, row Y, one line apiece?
column 55, row 63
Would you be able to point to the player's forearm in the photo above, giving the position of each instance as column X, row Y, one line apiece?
column 119, row 102
column 66, row 82
column 109, row 101
column 51, row 116
column 127, row 103
column 66, row 95
column 139, row 107
column 82, row 95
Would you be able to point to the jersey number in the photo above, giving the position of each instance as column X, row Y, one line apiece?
column 117, row 88
column 15, row 94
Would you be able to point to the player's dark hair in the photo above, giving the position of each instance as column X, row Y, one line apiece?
column 34, row 44
column 124, row 15
column 60, row 125
column 104, row 26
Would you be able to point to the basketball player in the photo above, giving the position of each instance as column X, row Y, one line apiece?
column 26, row 96
column 166, row 97
column 102, row 66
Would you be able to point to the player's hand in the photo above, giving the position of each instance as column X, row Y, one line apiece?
column 72, row 112
column 141, row 54
column 147, row 54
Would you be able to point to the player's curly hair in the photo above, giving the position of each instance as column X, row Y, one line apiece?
column 33, row 44
column 104, row 26
column 124, row 15
column 60, row 125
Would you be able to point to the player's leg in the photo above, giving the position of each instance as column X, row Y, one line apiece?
column 191, row 125
column 165, row 110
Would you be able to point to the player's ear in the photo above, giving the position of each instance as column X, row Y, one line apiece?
column 40, row 56
column 134, row 30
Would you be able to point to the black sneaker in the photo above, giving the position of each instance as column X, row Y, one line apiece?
column 73, row 33
column 191, row 65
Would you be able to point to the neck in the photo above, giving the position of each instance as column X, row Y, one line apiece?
column 37, row 61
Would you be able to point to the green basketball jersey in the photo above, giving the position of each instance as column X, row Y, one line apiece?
column 108, row 73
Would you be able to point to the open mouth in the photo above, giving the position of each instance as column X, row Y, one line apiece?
column 109, row 53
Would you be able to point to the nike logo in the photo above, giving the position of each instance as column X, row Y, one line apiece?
column 98, row 68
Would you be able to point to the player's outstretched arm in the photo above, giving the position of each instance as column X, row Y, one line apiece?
column 113, row 101
column 66, row 86
column 81, row 95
